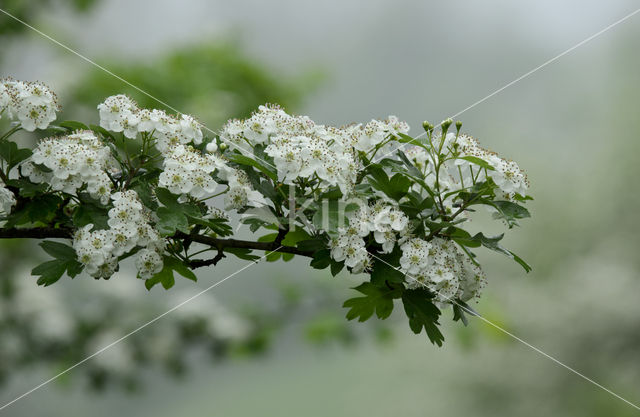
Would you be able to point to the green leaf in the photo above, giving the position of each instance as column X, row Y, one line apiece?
column 59, row 250
column 245, row 160
column 422, row 314
column 104, row 132
column 170, row 220
column 175, row 215
column 493, row 244
column 383, row 271
column 376, row 299
column 478, row 161
column 336, row 267
column 167, row 198
column 509, row 212
column 321, row 259
column 242, row 254
column 458, row 314
column 27, row 188
column 395, row 187
column 178, row 266
column 269, row 237
column 49, row 272
column 11, row 154
column 90, row 213
column 273, row 256
column 72, row 125
column 462, row 237
column 65, row 261
column 413, row 170
column 286, row 257
column 311, row 245
column 294, row 236
column 402, row 138
column 217, row 226
column 164, row 277
column 40, row 209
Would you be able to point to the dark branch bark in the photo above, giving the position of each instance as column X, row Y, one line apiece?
column 219, row 244
column 36, row 233
column 242, row 244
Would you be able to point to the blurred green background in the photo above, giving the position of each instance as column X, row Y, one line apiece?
column 573, row 126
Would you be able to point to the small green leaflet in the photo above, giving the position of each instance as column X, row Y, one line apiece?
column 72, row 125
column 478, row 161
column 165, row 277
column 65, row 261
column 376, row 299
column 245, row 160
column 383, row 271
column 492, row 243
column 509, row 212
column 40, row 209
column 89, row 213
column 11, row 154
column 422, row 314
column 173, row 216
column 395, row 187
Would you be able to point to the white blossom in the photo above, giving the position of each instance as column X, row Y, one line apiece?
column 32, row 103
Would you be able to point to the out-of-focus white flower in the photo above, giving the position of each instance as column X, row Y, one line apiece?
column 33, row 103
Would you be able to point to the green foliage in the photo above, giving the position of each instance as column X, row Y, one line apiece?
column 422, row 314
column 39, row 210
column 174, row 215
column 376, row 299
column 11, row 154
column 65, row 261
column 215, row 81
column 166, row 278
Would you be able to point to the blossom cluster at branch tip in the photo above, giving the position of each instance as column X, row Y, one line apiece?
column 32, row 103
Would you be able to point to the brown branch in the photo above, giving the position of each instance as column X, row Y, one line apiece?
column 219, row 244
column 36, row 233
column 241, row 244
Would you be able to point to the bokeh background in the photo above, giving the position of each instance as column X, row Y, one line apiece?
column 280, row 343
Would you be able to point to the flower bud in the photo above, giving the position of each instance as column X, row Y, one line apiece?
column 428, row 127
column 444, row 126
column 212, row 147
column 458, row 127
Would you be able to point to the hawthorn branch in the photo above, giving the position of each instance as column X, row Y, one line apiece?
column 219, row 244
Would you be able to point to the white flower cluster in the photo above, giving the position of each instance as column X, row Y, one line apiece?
column 71, row 162
column 121, row 114
column 507, row 175
column 301, row 148
column 7, row 200
column 240, row 193
column 385, row 221
column 188, row 171
column 129, row 227
column 33, row 103
column 440, row 266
